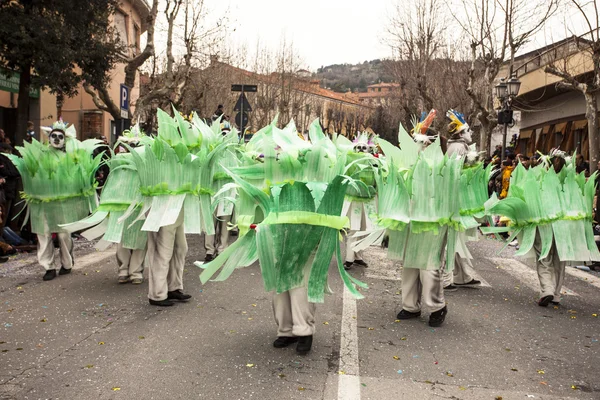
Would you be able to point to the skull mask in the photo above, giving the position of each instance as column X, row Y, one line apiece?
column 57, row 139
column 361, row 148
column 466, row 135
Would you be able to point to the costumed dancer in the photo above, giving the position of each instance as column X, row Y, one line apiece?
column 217, row 243
column 291, row 223
column 360, row 202
column 419, row 212
column 458, row 144
column 59, row 188
column 114, row 220
column 550, row 211
column 176, row 174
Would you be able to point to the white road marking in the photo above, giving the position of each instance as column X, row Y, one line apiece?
column 92, row 258
column 524, row 274
column 349, row 376
column 589, row 278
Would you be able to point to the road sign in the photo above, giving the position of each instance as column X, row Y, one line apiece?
column 244, row 88
column 242, row 104
column 241, row 119
column 124, row 101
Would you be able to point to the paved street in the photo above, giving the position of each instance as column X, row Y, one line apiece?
column 83, row 336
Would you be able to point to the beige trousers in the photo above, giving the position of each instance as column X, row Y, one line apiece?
column 130, row 262
column 352, row 255
column 550, row 270
column 167, row 249
column 294, row 315
column 45, row 250
column 221, row 234
column 420, row 283
column 462, row 273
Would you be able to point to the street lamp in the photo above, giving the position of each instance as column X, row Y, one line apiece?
column 506, row 91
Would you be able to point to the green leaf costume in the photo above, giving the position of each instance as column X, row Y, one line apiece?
column 58, row 186
column 288, row 212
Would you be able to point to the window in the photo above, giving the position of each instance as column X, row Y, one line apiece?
column 379, row 89
column 121, row 27
column 136, row 39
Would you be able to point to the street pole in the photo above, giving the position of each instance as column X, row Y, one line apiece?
column 242, row 117
column 503, row 155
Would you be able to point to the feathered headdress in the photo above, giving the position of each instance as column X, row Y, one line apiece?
column 420, row 127
column 457, row 121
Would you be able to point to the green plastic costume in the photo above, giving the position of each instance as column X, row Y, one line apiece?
column 58, row 186
column 416, row 203
column 176, row 171
column 558, row 207
column 120, row 196
column 289, row 216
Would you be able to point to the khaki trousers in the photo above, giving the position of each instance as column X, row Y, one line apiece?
column 45, row 250
column 294, row 315
column 167, row 249
column 550, row 270
column 462, row 273
column 221, row 234
column 130, row 262
column 425, row 284
column 352, row 255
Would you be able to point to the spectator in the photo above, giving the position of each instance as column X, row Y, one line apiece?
column 30, row 130
column 581, row 165
column 504, row 178
column 103, row 170
column 498, row 151
column 11, row 177
column 225, row 125
column 218, row 112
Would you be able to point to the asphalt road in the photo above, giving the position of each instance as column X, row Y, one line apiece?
column 83, row 336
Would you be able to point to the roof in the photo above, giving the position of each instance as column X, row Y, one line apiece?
column 143, row 9
column 382, row 85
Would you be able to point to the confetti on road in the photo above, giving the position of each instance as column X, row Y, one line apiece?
column 100, row 343
column 325, row 323
column 541, row 372
column 141, row 337
column 301, row 388
column 249, row 365
column 341, row 372
column 43, row 320
column 396, row 358
column 400, row 371
column 115, row 389
column 514, row 369
column 89, row 366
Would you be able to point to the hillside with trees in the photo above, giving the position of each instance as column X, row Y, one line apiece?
column 354, row 77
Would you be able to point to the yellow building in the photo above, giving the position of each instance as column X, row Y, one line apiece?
column 80, row 110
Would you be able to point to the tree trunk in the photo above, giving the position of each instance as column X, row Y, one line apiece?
column 592, row 118
column 23, row 105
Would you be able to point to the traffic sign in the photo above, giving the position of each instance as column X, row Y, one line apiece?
column 242, row 104
column 241, row 119
column 124, row 101
column 244, row 88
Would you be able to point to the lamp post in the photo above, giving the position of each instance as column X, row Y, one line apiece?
column 506, row 91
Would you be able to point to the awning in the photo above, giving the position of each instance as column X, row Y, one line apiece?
column 560, row 128
column 545, row 129
column 526, row 134
column 579, row 124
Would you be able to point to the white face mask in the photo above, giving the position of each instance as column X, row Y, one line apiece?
column 466, row 135
column 57, row 139
column 361, row 148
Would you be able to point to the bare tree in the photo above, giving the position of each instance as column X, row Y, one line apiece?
column 588, row 84
column 496, row 31
column 100, row 94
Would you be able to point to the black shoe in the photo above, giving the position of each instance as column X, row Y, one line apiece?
column 544, row 301
column 437, row 318
column 556, row 303
column 408, row 315
column 64, row 271
column 284, row 341
column 304, row 344
column 178, row 295
column 49, row 275
column 161, row 303
column 3, row 259
column 362, row 263
column 208, row 258
column 450, row 288
column 348, row 265
column 471, row 283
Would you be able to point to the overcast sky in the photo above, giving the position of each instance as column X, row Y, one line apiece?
column 328, row 32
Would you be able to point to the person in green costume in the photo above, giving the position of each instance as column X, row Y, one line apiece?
column 58, row 188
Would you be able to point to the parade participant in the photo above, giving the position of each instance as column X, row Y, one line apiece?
column 550, row 210
column 290, row 221
column 176, row 174
column 458, row 145
column 121, row 191
column 217, row 243
column 59, row 188
column 360, row 202
column 419, row 216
